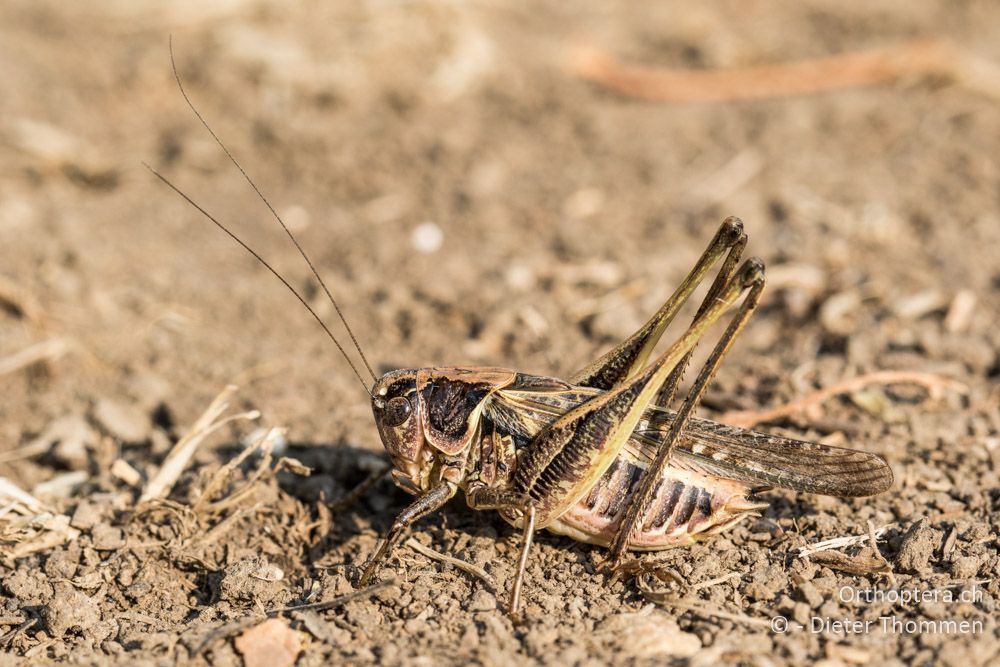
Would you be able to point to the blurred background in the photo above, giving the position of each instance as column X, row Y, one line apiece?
column 501, row 183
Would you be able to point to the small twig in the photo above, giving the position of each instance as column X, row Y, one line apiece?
column 9, row 637
column 699, row 607
column 717, row 580
column 178, row 458
column 336, row 602
column 935, row 384
column 229, row 629
column 924, row 58
column 460, row 564
column 34, row 448
column 47, row 350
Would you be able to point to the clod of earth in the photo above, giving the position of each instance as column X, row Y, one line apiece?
column 917, row 547
column 252, row 579
column 69, row 609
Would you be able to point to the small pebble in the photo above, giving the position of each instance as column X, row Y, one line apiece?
column 483, row 601
column 584, row 203
column 965, row 567
column 107, row 538
column 149, row 389
column 85, row 516
column 269, row 644
column 252, row 579
column 62, row 563
column 810, row 594
column 126, row 473
column 127, row 423
column 766, row 583
column 427, row 238
column 70, row 437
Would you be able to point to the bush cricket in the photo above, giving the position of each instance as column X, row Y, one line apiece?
column 602, row 457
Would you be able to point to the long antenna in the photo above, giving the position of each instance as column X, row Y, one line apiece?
column 268, row 267
column 277, row 217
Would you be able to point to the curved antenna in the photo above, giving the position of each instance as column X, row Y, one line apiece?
column 267, row 203
column 268, row 267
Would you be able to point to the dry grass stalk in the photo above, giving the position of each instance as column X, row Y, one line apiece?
column 27, row 525
column 265, row 444
column 265, row 441
column 842, row 542
column 179, row 457
column 34, row 448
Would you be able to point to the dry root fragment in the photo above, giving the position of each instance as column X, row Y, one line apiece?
column 696, row 606
column 228, row 629
column 859, row 564
column 924, row 59
column 46, row 351
column 935, row 384
column 460, row 564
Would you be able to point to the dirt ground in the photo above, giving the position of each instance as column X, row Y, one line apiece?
column 472, row 202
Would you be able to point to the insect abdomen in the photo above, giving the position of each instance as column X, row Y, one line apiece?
column 685, row 507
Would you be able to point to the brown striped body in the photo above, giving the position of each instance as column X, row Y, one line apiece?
column 686, row 507
column 490, row 441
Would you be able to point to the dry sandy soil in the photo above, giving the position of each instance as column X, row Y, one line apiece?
column 566, row 213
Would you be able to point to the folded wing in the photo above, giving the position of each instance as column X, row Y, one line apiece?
column 760, row 459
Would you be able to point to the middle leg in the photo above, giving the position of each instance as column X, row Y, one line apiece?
column 754, row 280
column 503, row 499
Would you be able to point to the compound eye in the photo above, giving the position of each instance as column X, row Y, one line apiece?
column 396, row 411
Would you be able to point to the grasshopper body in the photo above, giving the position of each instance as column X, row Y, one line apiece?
column 707, row 488
column 506, row 410
column 601, row 457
